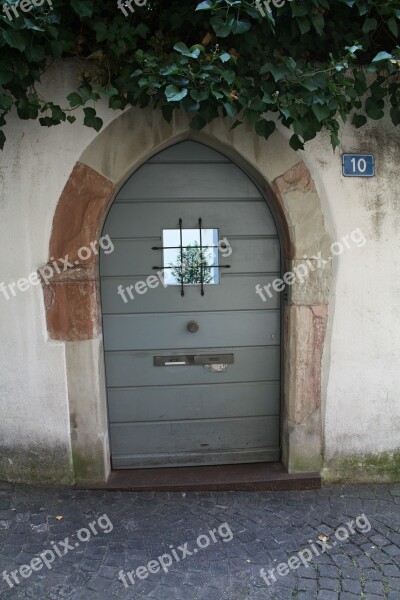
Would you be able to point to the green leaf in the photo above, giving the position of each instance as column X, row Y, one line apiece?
column 174, row 94
column 47, row 122
column 265, row 128
column 304, row 25
column 299, row 9
column 224, row 57
column 142, row 30
column 184, row 50
column 35, row 53
column 374, row 109
column 84, row 8
column 57, row 48
column 239, row 27
column 170, row 70
column 393, row 26
column 71, row 119
column 230, row 109
column 395, row 115
column 102, row 31
column 359, row 120
column 5, row 101
column 167, row 111
column 91, row 120
column 207, row 5
column 295, row 143
column 22, row 69
column 31, row 25
column 382, row 56
column 199, row 95
column 2, row 139
column 117, row 103
column 5, row 77
column 229, row 76
column 321, row 112
column 74, row 99
column 278, row 72
column 16, row 39
column 319, row 23
column 198, row 122
column 27, row 110
column 222, row 28
column 369, row 25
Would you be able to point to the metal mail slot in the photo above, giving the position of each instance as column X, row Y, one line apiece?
column 193, row 359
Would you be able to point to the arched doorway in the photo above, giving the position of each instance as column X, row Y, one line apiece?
column 192, row 352
column 72, row 298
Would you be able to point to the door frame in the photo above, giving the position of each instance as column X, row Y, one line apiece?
column 72, row 298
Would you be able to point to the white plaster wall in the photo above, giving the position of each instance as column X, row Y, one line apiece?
column 361, row 365
column 361, row 386
column 34, row 167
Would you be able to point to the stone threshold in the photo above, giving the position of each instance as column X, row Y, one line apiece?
column 241, row 477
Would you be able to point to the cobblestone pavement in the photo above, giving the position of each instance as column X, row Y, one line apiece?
column 268, row 528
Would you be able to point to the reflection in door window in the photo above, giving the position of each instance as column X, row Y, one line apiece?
column 192, row 261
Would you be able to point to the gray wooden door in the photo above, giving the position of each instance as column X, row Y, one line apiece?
column 217, row 398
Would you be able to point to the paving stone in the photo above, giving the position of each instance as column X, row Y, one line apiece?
column 269, row 528
column 329, row 584
column 374, row 587
column 379, row 540
column 352, row 586
column 327, row 595
column 328, row 571
column 392, row 550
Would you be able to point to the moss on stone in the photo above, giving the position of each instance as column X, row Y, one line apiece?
column 377, row 468
column 42, row 466
column 87, row 469
column 305, row 464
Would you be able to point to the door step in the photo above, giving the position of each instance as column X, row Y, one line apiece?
column 243, row 477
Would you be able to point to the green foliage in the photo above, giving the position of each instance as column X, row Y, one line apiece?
column 310, row 64
column 192, row 260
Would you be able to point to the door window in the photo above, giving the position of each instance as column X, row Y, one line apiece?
column 190, row 256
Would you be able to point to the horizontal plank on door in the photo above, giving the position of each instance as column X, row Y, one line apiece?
column 239, row 293
column 188, row 151
column 174, row 459
column 178, row 402
column 195, row 436
column 145, row 219
column 136, row 257
column 164, row 331
column 192, row 180
column 125, row 369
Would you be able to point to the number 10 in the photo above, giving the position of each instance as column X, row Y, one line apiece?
column 359, row 165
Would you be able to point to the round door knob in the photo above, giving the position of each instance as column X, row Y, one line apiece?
column 192, row 326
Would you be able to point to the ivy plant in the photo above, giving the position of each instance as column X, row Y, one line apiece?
column 311, row 64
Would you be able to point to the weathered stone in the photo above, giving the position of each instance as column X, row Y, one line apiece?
column 305, row 331
column 80, row 212
column 73, row 310
column 312, row 282
column 296, row 178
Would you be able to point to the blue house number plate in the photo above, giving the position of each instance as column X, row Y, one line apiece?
column 358, row 165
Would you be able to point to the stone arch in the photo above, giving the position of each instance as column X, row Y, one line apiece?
column 72, row 297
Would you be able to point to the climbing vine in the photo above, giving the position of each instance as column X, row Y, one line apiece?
column 311, row 64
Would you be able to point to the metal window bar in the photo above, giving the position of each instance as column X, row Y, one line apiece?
column 201, row 260
column 181, row 247
column 180, row 241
